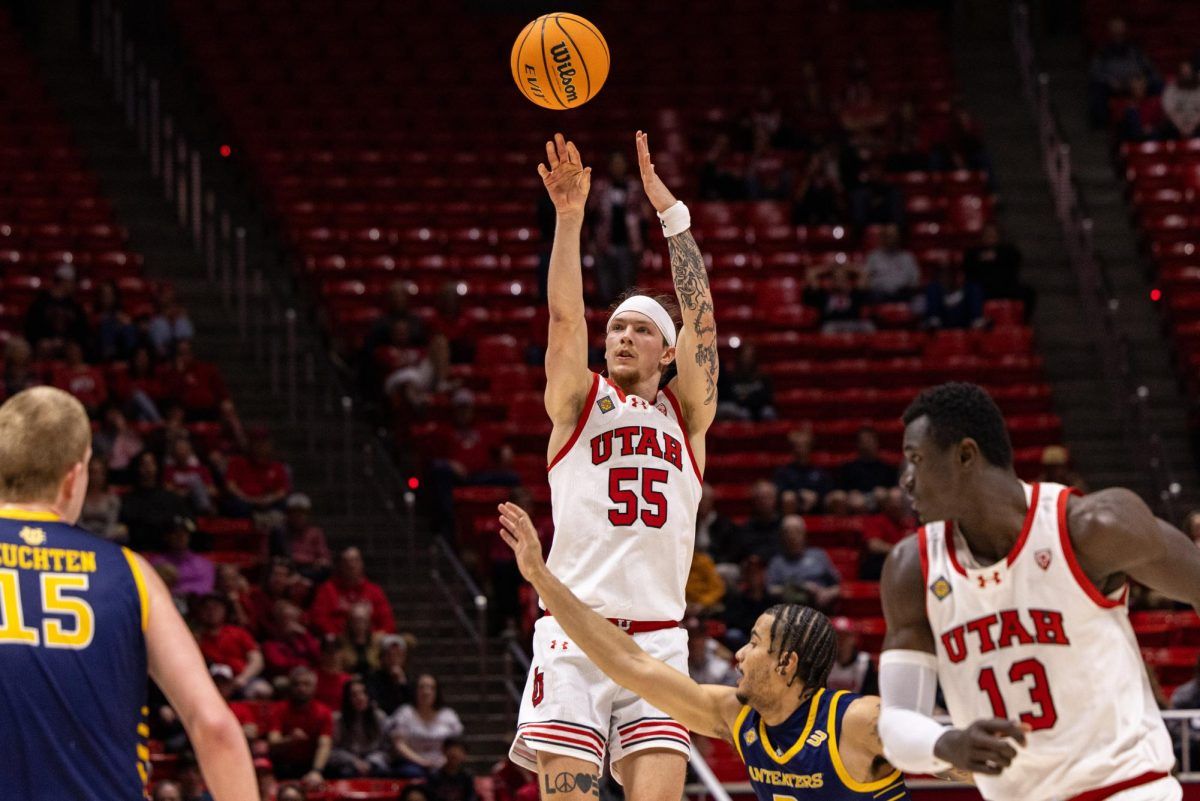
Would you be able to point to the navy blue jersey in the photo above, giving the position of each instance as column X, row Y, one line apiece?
column 72, row 664
column 799, row 758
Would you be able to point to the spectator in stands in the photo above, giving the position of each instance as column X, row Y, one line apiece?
column 705, row 588
column 820, row 198
column 419, row 730
column 231, row 585
column 101, row 506
column 717, row 181
column 301, row 735
column 759, row 535
column 149, row 511
column 882, row 531
column 166, row 790
column 225, row 644
column 1187, row 695
column 504, row 608
column 1056, row 468
column 951, row 302
column 169, row 324
column 85, row 381
column 861, row 113
column 891, row 270
column 616, row 212
column 116, row 335
column 909, row 151
column 468, row 457
column 802, row 574
column 1144, row 118
column 359, row 645
column 962, row 146
column 1116, row 65
column 450, row 322
column 708, row 662
column 1191, row 527
column 875, row 201
column 186, row 476
column 810, row 483
column 767, row 176
column 452, row 781
column 866, row 478
column 258, row 482
column 140, row 389
column 714, row 531
column 744, row 389
column 349, row 586
column 19, row 368
column 288, row 644
column 197, row 573
column 191, row 783
column 416, row 792
column 279, row 582
column 331, row 675
column 303, row 542
column 839, row 297
column 743, row 607
column 853, row 669
column 396, row 307
column 762, row 121
column 412, row 375
column 56, row 317
column 118, row 445
column 389, row 684
column 995, row 267
column 360, row 747
column 197, row 386
column 1181, row 102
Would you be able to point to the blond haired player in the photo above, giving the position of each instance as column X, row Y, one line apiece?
column 625, row 459
column 82, row 623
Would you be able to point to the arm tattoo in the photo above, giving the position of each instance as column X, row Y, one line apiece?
column 691, row 287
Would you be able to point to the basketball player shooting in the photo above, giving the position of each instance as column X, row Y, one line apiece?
column 792, row 733
column 626, row 456
column 1013, row 596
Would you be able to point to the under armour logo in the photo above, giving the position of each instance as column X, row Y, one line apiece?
column 983, row 580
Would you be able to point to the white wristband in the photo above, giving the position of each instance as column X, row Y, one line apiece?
column 908, row 689
column 675, row 220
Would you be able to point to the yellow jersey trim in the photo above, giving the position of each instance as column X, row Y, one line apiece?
column 13, row 513
column 843, row 774
column 737, row 730
column 795, row 749
column 140, row 581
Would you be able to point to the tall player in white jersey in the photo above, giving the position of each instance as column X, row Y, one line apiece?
column 1013, row 596
column 625, row 462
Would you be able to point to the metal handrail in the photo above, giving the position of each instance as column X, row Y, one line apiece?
column 1130, row 393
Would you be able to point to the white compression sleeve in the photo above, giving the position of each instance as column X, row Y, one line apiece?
column 908, row 689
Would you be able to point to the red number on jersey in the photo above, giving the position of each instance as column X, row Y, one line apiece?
column 625, row 513
column 1039, row 693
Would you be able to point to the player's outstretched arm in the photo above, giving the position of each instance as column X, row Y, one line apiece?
column 1114, row 532
column 178, row 668
column 696, row 351
column 912, row 740
column 567, row 377
column 705, row 709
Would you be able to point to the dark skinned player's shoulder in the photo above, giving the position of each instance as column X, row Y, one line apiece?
column 1105, row 528
column 902, row 568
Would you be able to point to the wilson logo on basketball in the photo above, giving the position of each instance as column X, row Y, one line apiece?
column 566, row 72
column 539, row 687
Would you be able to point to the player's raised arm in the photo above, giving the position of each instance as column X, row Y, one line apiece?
column 1115, row 535
column 696, row 352
column 567, row 376
column 705, row 709
column 178, row 668
column 912, row 740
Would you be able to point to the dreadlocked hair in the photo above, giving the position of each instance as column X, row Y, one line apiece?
column 805, row 632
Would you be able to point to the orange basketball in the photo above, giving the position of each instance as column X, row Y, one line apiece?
column 560, row 61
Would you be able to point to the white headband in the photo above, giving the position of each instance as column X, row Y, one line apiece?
column 651, row 308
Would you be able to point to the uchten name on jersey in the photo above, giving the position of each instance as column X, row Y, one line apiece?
column 1047, row 629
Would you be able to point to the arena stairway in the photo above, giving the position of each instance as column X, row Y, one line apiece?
column 986, row 65
column 313, row 446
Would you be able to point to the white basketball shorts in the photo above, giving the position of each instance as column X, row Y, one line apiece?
column 572, row 708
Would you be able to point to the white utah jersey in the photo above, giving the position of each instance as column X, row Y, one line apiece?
column 1030, row 638
column 624, row 492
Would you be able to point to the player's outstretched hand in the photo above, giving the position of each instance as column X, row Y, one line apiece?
column 518, row 531
column 567, row 180
column 982, row 747
column 660, row 197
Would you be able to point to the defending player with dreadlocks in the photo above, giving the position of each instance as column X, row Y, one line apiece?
column 790, row 731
